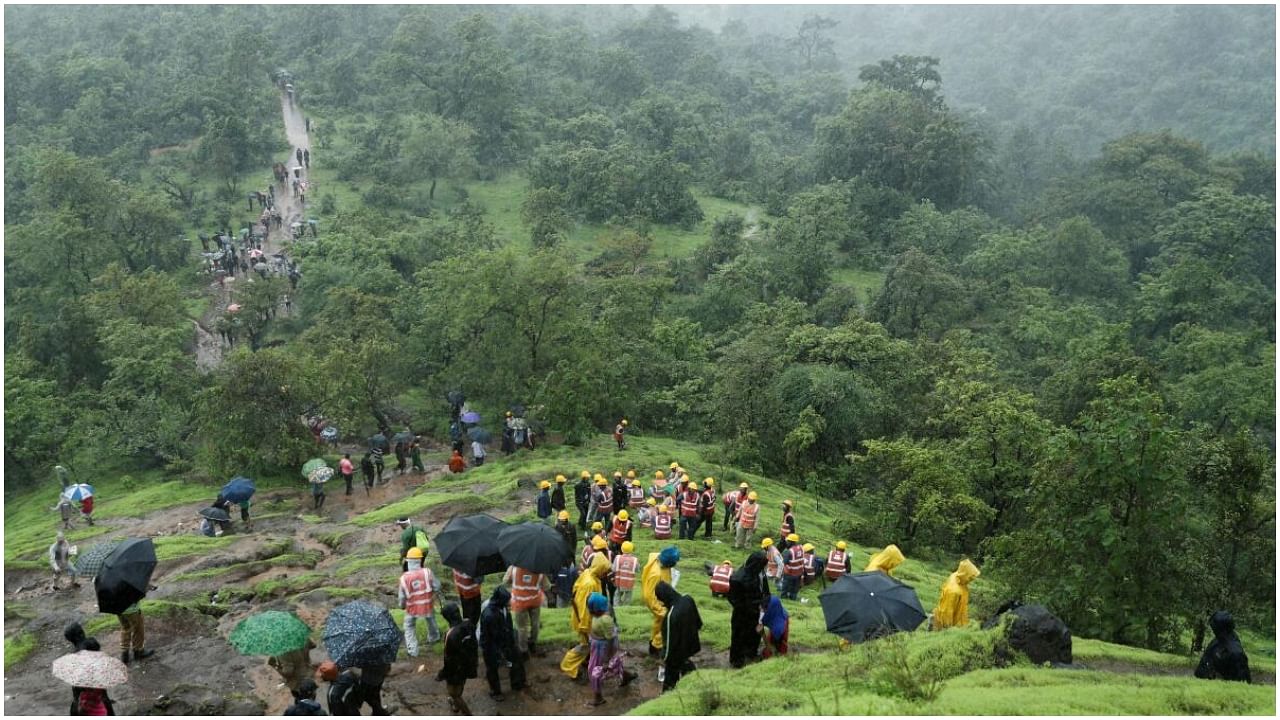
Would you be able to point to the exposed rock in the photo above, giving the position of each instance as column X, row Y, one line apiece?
column 1035, row 631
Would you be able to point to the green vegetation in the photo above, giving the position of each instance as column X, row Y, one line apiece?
column 17, row 648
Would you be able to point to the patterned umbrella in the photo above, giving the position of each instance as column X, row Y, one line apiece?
column 311, row 466
column 90, row 669
column 90, row 561
column 78, row 492
column 270, row 633
column 321, row 475
column 361, row 634
column 239, row 489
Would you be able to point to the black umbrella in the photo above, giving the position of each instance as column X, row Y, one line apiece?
column 480, row 435
column 214, row 513
column 404, row 436
column 856, row 605
column 534, row 547
column 469, row 544
column 379, row 441
column 455, row 397
column 125, row 575
column 361, row 634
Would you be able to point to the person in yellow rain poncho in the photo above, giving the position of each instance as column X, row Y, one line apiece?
column 953, row 606
column 886, row 560
column 591, row 581
column 657, row 570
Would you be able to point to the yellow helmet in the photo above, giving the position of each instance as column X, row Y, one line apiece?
column 726, row 562
column 601, row 481
column 617, row 473
column 628, row 546
column 508, row 413
column 622, row 515
column 794, row 538
column 663, row 508
column 635, row 482
column 597, row 525
column 767, row 542
column 544, row 485
column 564, row 515
column 585, row 474
column 789, row 503
column 414, row 553
column 561, row 479
column 631, row 474
column 624, row 422
column 652, row 501
column 752, row 495
column 710, row 482
column 743, row 486
column 657, row 475
column 841, row 545
column 808, row 547
column 675, row 465
column 598, row 543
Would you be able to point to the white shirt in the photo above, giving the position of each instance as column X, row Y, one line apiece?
column 477, row 450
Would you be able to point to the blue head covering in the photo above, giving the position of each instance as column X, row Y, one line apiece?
column 669, row 556
column 775, row 616
column 597, row 603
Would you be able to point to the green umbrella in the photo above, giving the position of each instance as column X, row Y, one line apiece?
column 90, row 561
column 312, row 465
column 270, row 633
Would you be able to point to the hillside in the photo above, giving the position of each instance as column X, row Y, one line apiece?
column 309, row 563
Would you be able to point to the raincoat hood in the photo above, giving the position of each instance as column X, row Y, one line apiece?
column 966, row 572
column 666, row 594
column 886, row 560
column 600, row 566
column 754, row 565
column 1222, row 623
column 501, row 596
column 452, row 614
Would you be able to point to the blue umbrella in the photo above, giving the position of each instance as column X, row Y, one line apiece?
column 239, row 489
column 78, row 492
column 361, row 634
column 471, row 417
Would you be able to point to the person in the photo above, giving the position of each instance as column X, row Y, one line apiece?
column 60, row 560
column 625, row 565
column 813, row 566
column 461, row 657
column 418, row 589
column 544, row 501
column 748, row 588
column 773, row 557
column 620, row 491
column 306, row 158
column 344, row 689
column 366, row 469
column 792, row 569
column 1225, row 658
column 708, row 505
column 86, row 700
column 477, row 453
column 563, row 582
column 294, row 666
column 720, row 575
column 621, row 530
column 557, row 494
column 498, row 643
column 317, row 495
column 244, row 514
column 788, row 519
column 595, row 545
column 775, row 627
column 402, row 458
column 133, row 634
column 730, row 501
column 837, row 561
column 65, row 508
column 953, row 603
column 415, row 455
column 528, row 595
column 565, row 529
column 645, row 513
column 747, row 516
column 606, row 658
column 86, row 509
column 304, row 700
column 63, row 475
column 582, row 498
column 370, row 687
column 376, row 453
column 680, row 630
column 689, row 512
column 635, row 494
column 886, row 560
column 657, row 570
column 456, row 463
column 508, row 434
column 658, row 491
column 297, row 153
column 602, row 500
column 662, row 523
column 673, row 475
column 590, row 581
column 411, row 536
column 469, row 591
column 618, row 437
column 347, row 470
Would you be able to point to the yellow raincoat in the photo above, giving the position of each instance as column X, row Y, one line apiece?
column 591, row 581
column 886, row 560
column 953, row 606
column 653, row 574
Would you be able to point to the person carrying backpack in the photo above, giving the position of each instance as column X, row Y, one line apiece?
column 411, row 536
column 344, row 689
column 304, row 700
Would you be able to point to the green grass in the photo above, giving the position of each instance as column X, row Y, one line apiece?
column 866, row 282
column 17, row 648
column 172, row 547
column 1089, row 652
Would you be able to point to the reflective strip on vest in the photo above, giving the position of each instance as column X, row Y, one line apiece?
column 786, row 529
column 795, row 561
column 637, row 496
column 748, row 516
column 708, row 502
column 659, row 492
column 587, row 552
column 468, row 587
column 689, row 504
column 836, row 564
column 620, row 530
column 604, row 502
column 808, row 564
column 662, row 526
column 525, row 590
column 419, row 596
column 731, row 498
column 624, row 571
column 720, row 578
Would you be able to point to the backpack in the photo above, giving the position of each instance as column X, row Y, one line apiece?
column 420, row 540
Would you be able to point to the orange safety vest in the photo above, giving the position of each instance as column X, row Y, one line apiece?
column 795, row 561
column 624, row 571
column 788, row 525
column 731, row 498
column 587, row 552
column 837, row 564
column 468, row 587
column 604, row 501
column 720, row 578
column 662, row 526
column 526, row 590
column 747, row 516
column 620, row 530
column 637, row 496
column 419, row 595
column 689, row 504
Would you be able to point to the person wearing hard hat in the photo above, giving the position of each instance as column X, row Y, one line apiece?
column 671, row 474
column 645, row 513
column 618, row 437
column 720, row 575
column 590, row 581
column 953, row 604
column 620, row 492
column 625, row 565
column 635, row 493
column 620, row 532
column 582, row 498
column 528, row 595
column 748, row 515
column 813, row 566
column 689, row 498
column 730, row 500
column 602, row 499
column 792, row 569
column 544, row 502
column 418, row 590
column 566, row 530
column 886, row 560
column 657, row 570
column 658, row 491
column 557, row 494
column 662, row 523
column 837, row 562
column 773, row 560
column 707, row 503
column 592, row 544
column 788, row 519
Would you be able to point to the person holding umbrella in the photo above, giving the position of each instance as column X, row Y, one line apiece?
column 498, row 643
column 90, row 673
column 133, row 634
column 362, row 634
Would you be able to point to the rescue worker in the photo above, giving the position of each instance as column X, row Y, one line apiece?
column 953, row 603
column 720, row 576
column 730, row 500
column 672, row 475
column 793, row 569
column 469, row 590
column 625, row 565
column 658, row 491
column 596, row 545
column 602, row 499
column 788, row 519
column 498, row 644
column 528, row 595
column 689, row 511
column 566, row 530
column 813, row 565
column 635, row 494
column 591, row 581
column 837, row 562
column 557, row 494
column 707, row 503
column 886, row 560
column 773, row 557
column 747, row 516
column 644, row 516
column 620, row 532
column 1225, row 658
column 418, row 589
column 620, row 492
column 618, row 431
column 680, row 629
column 582, row 498
column 544, row 501
column 657, row 570
column 748, row 588
column 662, row 523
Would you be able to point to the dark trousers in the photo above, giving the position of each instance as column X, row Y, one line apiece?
column 724, row 526
column 582, row 516
column 688, row 527
column 347, row 478
column 516, row 674
column 471, row 608
column 707, row 522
